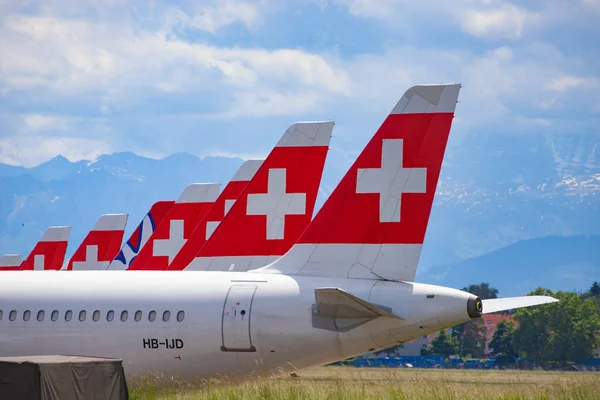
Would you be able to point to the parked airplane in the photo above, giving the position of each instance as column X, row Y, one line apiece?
column 273, row 209
column 176, row 227
column 101, row 244
column 140, row 236
column 49, row 252
column 204, row 222
column 344, row 289
column 218, row 211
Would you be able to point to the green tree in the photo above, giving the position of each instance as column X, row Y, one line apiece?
column 594, row 294
column 575, row 324
column 502, row 343
column 532, row 337
column 444, row 345
column 483, row 290
column 561, row 332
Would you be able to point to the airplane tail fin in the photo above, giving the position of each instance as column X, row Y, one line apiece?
column 10, row 262
column 101, row 244
column 49, row 252
column 276, row 205
column 215, row 215
column 140, row 236
column 176, row 227
column 373, row 224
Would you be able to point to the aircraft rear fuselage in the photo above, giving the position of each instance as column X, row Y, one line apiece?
column 208, row 323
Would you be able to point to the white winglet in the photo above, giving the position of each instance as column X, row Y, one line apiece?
column 300, row 134
column 200, row 193
column 510, row 303
column 56, row 234
column 247, row 170
column 111, row 222
column 10, row 260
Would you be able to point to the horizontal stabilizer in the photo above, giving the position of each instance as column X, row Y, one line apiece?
column 510, row 303
column 340, row 311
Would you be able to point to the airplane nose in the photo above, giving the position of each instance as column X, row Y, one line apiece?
column 474, row 307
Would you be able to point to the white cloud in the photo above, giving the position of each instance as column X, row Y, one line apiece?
column 74, row 57
column 125, row 63
column 213, row 17
column 32, row 150
column 493, row 19
column 567, row 82
column 36, row 122
column 506, row 22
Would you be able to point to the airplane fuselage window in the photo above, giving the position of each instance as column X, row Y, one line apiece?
column 96, row 316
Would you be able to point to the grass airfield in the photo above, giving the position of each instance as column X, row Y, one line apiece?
column 351, row 383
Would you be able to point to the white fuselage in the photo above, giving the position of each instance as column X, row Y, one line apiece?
column 234, row 323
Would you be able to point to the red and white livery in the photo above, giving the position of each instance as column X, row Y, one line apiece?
column 49, row 252
column 213, row 218
column 275, row 207
column 176, row 227
column 373, row 224
column 101, row 244
column 345, row 289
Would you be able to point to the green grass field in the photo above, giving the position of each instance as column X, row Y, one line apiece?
column 334, row 383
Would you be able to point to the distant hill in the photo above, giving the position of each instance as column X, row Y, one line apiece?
column 565, row 263
column 60, row 192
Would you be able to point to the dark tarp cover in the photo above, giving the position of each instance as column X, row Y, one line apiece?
column 62, row 378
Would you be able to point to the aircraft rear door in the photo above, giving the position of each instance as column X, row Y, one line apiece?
column 235, row 324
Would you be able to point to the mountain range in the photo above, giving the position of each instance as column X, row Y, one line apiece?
column 514, row 210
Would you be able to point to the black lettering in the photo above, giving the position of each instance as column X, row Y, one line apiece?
column 167, row 343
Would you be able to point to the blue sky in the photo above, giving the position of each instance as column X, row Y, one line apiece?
column 226, row 77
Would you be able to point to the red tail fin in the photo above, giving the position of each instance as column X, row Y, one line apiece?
column 49, row 252
column 373, row 224
column 177, row 226
column 101, row 244
column 275, row 207
column 213, row 218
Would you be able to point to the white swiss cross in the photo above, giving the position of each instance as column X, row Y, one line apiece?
column 91, row 260
column 391, row 180
column 211, row 226
column 38, row 262
column 276, row 203
column 171, row 246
